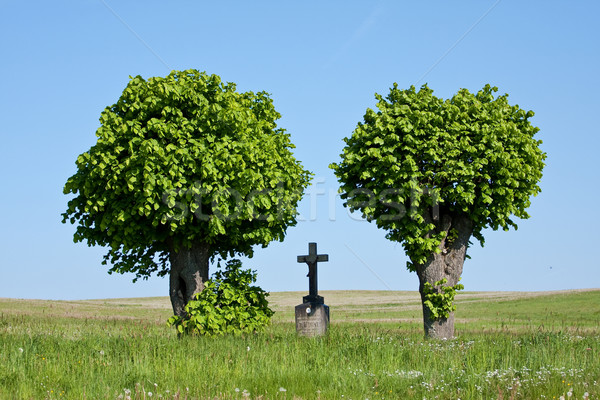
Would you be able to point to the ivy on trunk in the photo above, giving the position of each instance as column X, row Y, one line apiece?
column 443, row 270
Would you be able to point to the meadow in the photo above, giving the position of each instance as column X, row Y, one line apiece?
column 508, row 345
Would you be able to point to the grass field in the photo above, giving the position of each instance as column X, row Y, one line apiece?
column 509, row 345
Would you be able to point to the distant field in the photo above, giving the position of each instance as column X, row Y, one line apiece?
column 509, row 345
column 572, row 309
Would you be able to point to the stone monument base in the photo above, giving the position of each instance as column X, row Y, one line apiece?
column 312, row 319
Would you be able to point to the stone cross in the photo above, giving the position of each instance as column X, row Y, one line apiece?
column 312, row 259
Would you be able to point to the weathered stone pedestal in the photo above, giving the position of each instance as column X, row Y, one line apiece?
column 312, row 319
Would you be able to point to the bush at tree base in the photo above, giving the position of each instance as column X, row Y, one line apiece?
column 227, row 305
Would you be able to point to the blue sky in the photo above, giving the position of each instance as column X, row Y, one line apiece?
column 63, row 62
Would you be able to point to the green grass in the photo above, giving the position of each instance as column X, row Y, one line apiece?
column 508, row 345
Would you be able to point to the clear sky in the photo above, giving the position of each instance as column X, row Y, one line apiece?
column 64, row 62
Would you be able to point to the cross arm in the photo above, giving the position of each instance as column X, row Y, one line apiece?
column 312, row 258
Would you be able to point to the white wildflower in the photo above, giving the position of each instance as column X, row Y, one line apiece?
column 282, row 389
column 21, row 350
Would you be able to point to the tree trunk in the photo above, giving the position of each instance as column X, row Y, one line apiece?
column 189, row 271
column 448, row 263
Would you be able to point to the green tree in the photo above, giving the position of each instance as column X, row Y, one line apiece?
column 184, row 168
column 433, row 173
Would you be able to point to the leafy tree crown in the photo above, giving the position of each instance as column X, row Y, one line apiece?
column 181, row 159
column 472, row 154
